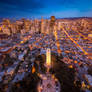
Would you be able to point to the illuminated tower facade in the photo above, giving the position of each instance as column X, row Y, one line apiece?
column 48, row 58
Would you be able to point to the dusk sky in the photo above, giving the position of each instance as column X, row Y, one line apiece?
column 45, row 8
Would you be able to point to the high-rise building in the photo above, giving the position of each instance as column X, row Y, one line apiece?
column 42, row 25
column 52, row 23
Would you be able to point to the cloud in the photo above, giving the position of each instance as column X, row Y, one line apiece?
column 16, row 6
column 45, row 7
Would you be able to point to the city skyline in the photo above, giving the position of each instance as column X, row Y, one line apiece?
column 47, row 55
column 46, row 8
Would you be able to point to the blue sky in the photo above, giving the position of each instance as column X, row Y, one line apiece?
column 45, row 8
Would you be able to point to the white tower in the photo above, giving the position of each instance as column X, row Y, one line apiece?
column 48, row 58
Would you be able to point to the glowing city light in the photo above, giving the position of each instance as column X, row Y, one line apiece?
column 33, row 69
column 48, row 57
